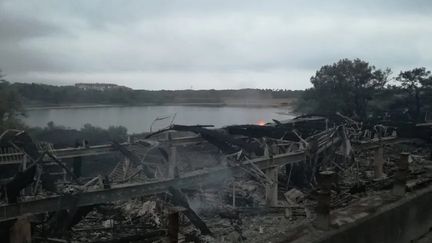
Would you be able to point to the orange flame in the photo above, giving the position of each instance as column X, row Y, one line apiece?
column 261, row 123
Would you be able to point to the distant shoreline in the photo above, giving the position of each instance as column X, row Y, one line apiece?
column 76, row 106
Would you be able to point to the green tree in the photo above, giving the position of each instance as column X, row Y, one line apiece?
column 10, row 106
column 416, row 83
column 345, row 86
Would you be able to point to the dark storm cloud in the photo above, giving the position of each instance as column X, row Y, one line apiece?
column 206, row 44
column 16, row 28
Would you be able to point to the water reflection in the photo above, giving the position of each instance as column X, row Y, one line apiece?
column 139, row 119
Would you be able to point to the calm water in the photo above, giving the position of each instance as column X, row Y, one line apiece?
column 139, row 119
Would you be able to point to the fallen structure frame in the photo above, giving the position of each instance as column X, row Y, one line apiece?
column 123, row 192
column 266, row 167
column 69, row 153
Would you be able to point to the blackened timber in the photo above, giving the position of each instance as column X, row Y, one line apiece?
column 180, row 200
column 225, row 142
column 257, row 131
column 133, row 158
column 173, row 227
column 65, row 219
column 22, row 140
column 19, row 182
column 78, row 215
column 63, row 167
column 25, row 142
column 95, row 150
column 375, row 143
column 171, row 128
column 123, row 192
column 151, row 236
column 68, row 153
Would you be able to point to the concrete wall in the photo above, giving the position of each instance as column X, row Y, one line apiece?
column 400, row 222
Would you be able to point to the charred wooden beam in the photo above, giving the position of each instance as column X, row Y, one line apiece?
column 22, row 140
column 146, row 237
column 226, row 143
column 65, row 168
column 180, row 200
column 257, row 131
column 20, row 232
column 171, row 128
column 133, row 158
column 173, row 227
column 65, row 219
column 19, row 182
column 96, row 150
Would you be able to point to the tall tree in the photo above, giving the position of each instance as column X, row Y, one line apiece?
column 10, row 105
column 415, row 82
column 346, row 86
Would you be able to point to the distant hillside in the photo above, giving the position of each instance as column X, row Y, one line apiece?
column 49, row 95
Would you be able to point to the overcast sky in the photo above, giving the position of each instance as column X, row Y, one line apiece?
column 203, row 44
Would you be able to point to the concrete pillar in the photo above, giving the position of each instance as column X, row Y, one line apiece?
column 20, row 232
column 271, row 187
column 172, row 158
column 131, row 139
column 125, row 168
column 172, row 162
column 379, row 162
column 233, row 195
column 173, row 227
column 25, row 161
column 399, row 186
column 322, row 220
column 325, row 181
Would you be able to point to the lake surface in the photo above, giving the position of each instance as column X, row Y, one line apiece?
column 140, row 118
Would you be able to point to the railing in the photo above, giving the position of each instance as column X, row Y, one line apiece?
column 10, row 155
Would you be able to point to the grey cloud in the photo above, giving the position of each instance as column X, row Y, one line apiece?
column 15, row 28
column 207, row 44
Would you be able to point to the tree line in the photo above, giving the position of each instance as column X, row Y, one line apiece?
column 360, row 90
column 42, row 94
column 10, row 106
column 15, row 96
column 352, row 87
column 62, row 137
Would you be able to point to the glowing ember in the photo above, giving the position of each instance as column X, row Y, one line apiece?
column 261, row 123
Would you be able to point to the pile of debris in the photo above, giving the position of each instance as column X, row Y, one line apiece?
column 200, row 184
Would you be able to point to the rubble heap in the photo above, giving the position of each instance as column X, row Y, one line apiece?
column 200, row 184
